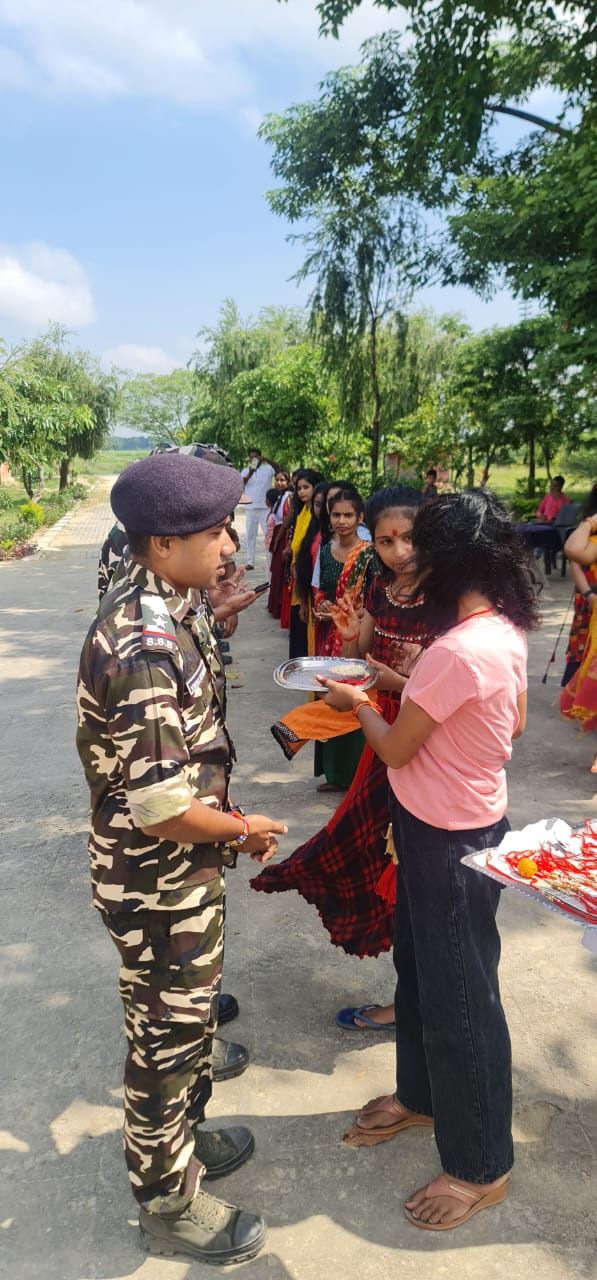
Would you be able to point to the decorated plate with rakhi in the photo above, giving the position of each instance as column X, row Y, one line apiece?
column 549, row 861
column 301, row 673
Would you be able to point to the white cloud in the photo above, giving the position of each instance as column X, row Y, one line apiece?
column 140, row 359
column 39, row 283
column 195, row 52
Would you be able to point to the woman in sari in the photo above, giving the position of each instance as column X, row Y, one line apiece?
column 578, row 700
column 306, row 480
column 338, row 758
column 305, row 562
column 281, row 513
column 585, row 595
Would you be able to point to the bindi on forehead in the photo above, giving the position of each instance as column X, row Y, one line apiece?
column 394, row 533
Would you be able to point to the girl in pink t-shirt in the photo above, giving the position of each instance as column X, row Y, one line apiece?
column 461, row 707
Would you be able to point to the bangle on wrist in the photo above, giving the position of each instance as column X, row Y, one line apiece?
column 363, row 703
column 589, row 592
column 238, row 840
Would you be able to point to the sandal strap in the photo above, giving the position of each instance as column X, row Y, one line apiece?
column 442, row 1186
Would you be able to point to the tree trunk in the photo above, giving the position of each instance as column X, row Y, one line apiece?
column 547, row 460
column 375, row 434
column 33, row 481
column 470, row 471
column 532, row 467
column 64, row 474
column 489, row 461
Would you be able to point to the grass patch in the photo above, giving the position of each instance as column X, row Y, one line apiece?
column 109, row 462
column 21, row 519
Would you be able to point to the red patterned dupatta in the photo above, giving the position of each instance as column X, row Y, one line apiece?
column 355, row 580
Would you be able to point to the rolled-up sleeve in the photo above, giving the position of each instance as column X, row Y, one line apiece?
column 144, row 721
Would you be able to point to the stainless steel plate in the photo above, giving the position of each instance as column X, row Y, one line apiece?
column 300, row 673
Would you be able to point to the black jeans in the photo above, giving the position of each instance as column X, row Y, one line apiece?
column 298, row 640
column 453, row 1047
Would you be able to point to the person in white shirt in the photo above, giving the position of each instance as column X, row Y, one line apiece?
column 257, row 478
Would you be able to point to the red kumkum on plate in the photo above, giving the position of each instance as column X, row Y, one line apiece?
column 301, row 673
column 561, row 875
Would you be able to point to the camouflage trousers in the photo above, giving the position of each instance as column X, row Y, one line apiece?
column 171, row 967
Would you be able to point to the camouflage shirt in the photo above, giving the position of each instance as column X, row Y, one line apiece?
column 152, row 736
column 110, row 557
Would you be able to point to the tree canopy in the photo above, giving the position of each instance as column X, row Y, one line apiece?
column 415, row 122
column 55, row 404
column 158, row 405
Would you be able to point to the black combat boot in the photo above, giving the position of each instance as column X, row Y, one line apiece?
column 207, row 1229
column 223, row 1150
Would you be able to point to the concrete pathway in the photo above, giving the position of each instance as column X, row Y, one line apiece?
column 333, row 1212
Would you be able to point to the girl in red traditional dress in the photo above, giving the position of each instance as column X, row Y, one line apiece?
column 339, row 869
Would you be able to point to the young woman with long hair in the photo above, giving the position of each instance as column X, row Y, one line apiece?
column 306, row 480
column 578, row 700
column 338, row 870
column 461, row 707
column 280, row 511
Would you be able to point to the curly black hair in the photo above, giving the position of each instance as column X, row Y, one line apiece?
column 466, row 542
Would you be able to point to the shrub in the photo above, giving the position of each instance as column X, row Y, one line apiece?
column 79, row 492
column 13, row 531
column 5, row 499
column 523, row 508
column 32, row 514
column 16, row 549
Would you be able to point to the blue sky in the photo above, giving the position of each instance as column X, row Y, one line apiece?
column 133, row 178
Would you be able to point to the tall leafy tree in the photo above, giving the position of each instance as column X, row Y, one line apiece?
column 38, row 417
column 158, row 405
column 92, row 392
column 233, row 346
column 362, row 263
column 282, row 406
column 502, row 393
column 415, row 120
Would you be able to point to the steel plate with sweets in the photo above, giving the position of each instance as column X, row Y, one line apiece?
column 301, row 673
column 551, row 862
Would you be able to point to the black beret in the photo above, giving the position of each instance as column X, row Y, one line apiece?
column 175, row 494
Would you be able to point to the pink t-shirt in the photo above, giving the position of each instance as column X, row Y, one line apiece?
column 468, row 681
column 551, row 505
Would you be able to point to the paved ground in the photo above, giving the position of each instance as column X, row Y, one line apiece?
column 66, row 1210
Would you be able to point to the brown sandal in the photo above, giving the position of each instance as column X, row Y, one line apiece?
column 443, row 1186
column 358, row 1136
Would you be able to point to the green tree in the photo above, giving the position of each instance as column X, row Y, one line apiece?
column 283, row 406
column 363, row 262
column 416, row 353
column 38, row 417
column 438, row 431
column 415, row 121
column 507, row 383
column 93, row 394
column 231, row 347
column 159, row 405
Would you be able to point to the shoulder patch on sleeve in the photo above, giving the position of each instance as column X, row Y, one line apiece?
column 158, row 635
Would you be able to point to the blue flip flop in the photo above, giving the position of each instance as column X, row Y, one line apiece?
column 346, row 1019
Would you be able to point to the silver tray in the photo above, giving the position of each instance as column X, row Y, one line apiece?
column 300, row 673
column 564, row 904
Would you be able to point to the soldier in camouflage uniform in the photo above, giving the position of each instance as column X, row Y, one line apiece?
column 157, row 756
column 110, row 557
